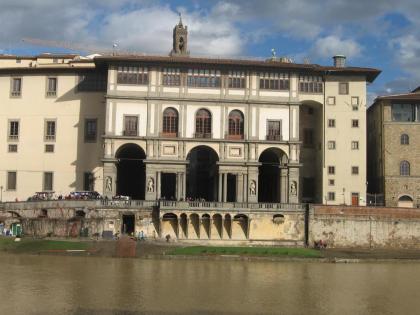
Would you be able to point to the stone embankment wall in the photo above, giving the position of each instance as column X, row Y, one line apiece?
column 365, row 227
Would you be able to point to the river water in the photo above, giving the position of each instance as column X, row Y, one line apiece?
column 89, row 285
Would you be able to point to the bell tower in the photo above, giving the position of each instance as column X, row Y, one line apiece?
column 180, row 39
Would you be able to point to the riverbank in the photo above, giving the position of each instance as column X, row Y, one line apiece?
column 164, row 250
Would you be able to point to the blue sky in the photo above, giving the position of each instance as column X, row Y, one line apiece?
column 383, row 34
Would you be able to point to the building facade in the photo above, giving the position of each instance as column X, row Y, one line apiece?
column 179, row 127
column 394, row 149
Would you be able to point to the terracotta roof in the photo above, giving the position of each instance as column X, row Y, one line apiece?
column 370, row 73
column 403, row 97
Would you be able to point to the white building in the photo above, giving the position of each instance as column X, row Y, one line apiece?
column 179, row 127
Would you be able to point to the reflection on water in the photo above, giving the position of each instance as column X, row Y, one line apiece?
column 76, row 285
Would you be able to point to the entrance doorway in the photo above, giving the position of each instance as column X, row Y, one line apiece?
column 168, row 186
column 231, row 188
column 202, row 173
column 269, row 175
column 354, row 199
column 131, row 171
column 128, row 224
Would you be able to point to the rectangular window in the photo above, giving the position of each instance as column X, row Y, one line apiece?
column 171, row 77
column 355, row 145
column 310, row 84
column 354, row 170
column 331, row 100
column 204, row 78
column 355, row 103
column 94, row 81
column 91, row 130
column 355, row 123
column 11, row 180
column 331, row 145
column 331, row 182
column 132, row 75
column 274, row 81
column 48, row 181
column 331, row 196
column 130, row 126
column 49, row 148
column 12, row 148
column 52, row 87
column 237, row 79
column 13, row 130
column 16, row 88
column 343, row 88
column 331, row 123
column 403, row 112
column 331, row 170
column 274, row 130
column 50, row 130
column 308, row 137
column 88, row 181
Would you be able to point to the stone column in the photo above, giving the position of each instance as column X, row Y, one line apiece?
column 177, row 186
column 225, row 187
column 184, row 185
column 158, row 184
column 239, row 187
column 219, row 197
column 110, row 179
column 293, row 184
column 284, row 185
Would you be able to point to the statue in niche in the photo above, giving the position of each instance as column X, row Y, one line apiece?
column 252, row 187
column 150, row 185
column 108, row 183
column 293, row 188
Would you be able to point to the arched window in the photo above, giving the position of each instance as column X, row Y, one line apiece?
column 405, row 139
column 404, row 168
column 236, row 125
column 203, row 124
column 170, row 122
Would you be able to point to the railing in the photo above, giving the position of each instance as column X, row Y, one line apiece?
column 136, row 204
column 170, row 204
column 203, row 135
column 274, row 137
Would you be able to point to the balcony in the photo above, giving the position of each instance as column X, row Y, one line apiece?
column 202, row 135
column 13, row 137
column 274, row 137
column 130, row 133
column 49, row 138
column 168, row 134
column 234, row 137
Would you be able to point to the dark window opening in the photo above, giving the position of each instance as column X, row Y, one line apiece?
column 168, row 186
column 128, row 224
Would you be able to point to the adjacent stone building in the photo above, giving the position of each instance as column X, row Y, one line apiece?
column 179, row 127
column 394, row 149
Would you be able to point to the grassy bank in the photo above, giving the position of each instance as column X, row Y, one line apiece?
column 246, row 251
column 33, row 245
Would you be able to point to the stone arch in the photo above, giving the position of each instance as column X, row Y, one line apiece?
column 131, row 171
column 278, row 218
column 240, row 226
column 227, row 225
column 217, row 226
column 236, row 122
column 170, row 225
column 183, row 224
column 405, row 201
column 203, row 121
column 205, row 222
column 194, row 226
column 202, row 173
column 170, row 122
column 269, row 184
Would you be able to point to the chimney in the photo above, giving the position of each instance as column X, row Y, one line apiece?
column 339, row 61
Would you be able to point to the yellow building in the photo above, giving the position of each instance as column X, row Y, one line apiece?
column 182, row 127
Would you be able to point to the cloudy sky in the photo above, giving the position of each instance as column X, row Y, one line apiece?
column 383, row 34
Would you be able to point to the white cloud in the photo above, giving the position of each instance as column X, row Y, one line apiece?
column 333, row 45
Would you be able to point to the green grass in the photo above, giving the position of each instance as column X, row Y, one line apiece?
column 247, row 251
column 31, row 245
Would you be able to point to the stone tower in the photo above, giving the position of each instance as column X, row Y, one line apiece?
column 180, row 40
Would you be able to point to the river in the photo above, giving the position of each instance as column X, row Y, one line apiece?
column 93, row 285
